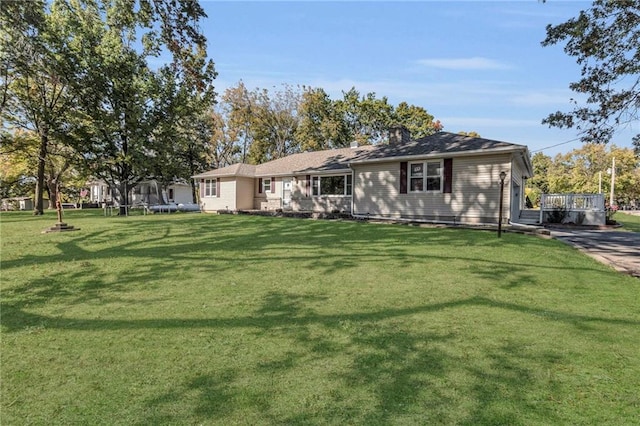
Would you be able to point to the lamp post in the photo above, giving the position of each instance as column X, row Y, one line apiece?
column 503, row 175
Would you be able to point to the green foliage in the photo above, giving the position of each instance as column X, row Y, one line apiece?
column 221, row 320
column 236, row 112
column 274, row 121
column 18, row 152
column 181, row 130
column 367, row 118
column 76, row 72
column 225, row 149
column 470, row 134
column 258, row 125
column 137, row 121
column 264, row 125
column 418, row 121
column 35, row 80
column 605, row 40
column 557, row 215
column 611, row 212
column 541, row 165
column 321, row 122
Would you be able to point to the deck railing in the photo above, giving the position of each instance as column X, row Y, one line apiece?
column 572, row 202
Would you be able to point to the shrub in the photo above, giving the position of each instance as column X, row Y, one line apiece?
column 557, row 215
column 611, row 211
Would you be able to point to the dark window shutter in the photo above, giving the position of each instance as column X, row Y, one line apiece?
column 448, row 175
column 403, row 177
column 273, row 185
column 218, row 188
column 308, row 185
column 202, row 184
column 259, row 185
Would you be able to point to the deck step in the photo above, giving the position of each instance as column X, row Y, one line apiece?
column 525, row 221
column 529, row 217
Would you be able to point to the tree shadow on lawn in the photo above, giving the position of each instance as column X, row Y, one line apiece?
column 73, row 286
column 389, row 372
column 279, row 319
column 237, row 245
column 228, row 244
column 238, row 235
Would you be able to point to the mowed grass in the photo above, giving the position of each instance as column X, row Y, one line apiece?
column 629, row 222
column 206, row 319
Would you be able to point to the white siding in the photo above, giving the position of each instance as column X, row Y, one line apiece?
column 181, row 194
column 226, row 199
column 474, row 198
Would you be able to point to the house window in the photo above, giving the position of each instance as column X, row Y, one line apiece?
column 426, row 176
column 416, row 177
column 332, row 185
column 171, row 194
column 210, row 187
column 266, row 185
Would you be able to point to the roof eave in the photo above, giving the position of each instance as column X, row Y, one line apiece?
column 501, row 150
column 221, row 175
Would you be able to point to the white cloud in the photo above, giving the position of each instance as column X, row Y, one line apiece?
column 475, row 63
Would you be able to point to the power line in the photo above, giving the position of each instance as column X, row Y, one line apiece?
column 558, row 144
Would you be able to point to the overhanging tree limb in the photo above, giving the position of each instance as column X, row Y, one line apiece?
column 605, row 40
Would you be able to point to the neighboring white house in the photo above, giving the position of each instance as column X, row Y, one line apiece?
column 144, row 193
column 444, row 177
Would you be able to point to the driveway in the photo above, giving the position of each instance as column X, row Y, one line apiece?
column 619, row 249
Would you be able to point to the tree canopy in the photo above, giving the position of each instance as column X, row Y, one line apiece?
column 77, row 72
column 605, row 41
column 260, row 125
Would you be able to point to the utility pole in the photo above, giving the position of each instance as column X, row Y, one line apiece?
column 613, row 181
column 599, row 182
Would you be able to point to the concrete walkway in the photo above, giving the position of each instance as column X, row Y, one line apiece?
column 619, row 249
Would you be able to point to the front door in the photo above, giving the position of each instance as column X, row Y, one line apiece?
column 515, row 200
column 286, row 193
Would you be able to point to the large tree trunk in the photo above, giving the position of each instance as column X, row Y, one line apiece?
column 194, row 192
column 42, row 157
column 123, row 188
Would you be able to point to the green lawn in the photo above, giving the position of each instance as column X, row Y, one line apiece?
column 629, row 222
column 204, row 319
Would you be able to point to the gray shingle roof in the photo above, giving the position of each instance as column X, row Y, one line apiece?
column 441, row 143
column 438, row 144
column 316, row 161
column 238, row 169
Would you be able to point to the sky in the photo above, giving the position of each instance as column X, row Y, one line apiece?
column 474, row 65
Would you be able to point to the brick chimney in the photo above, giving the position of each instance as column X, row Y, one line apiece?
column 399, row 135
